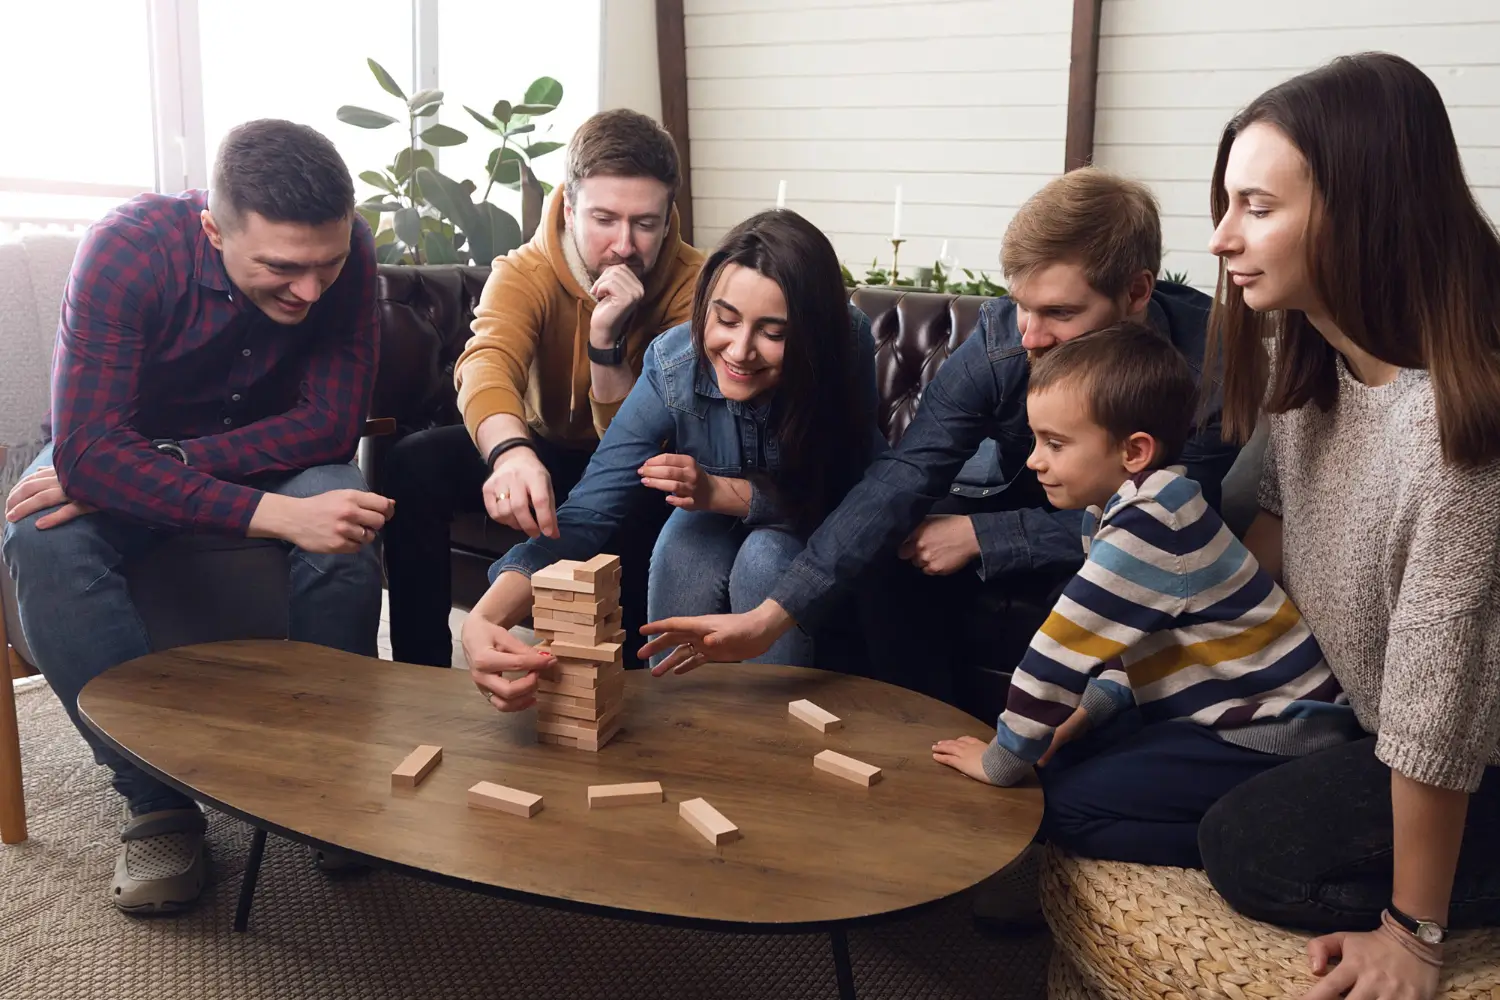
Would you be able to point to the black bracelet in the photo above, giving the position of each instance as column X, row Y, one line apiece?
column 507, row 445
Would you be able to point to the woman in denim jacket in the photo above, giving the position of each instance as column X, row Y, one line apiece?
column 754, row 419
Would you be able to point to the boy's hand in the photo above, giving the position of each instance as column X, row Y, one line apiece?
column 1077, row 725
column 964, row 754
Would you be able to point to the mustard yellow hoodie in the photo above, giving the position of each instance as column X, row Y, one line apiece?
column 528, row 356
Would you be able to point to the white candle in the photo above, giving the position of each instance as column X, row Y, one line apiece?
column 943, row 253
column 896, row 229
column 781, row 194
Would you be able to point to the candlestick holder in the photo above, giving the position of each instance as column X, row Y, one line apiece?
column 895, row 260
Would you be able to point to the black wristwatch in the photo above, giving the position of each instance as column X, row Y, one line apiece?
column 168, row 447
column 608, row 355
column 507, row 445
column 1425, row 931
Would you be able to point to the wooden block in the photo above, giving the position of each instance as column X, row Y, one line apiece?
column 630, row 794
column 605, row 652
column 820, row 719
column 488, row 795
column 607, row 693
column 582, row 606
column 591, row 634
column 571, row 708
column 593, row 743
column 559, row 576
column 708, row 821
column 571, row 617
column 410, row 772
column 847, row 768
column 605, row 566
column 578, row 729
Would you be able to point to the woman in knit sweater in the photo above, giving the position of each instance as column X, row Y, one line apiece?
column 1351, row 242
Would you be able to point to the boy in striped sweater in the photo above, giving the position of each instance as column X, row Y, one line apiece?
column 1182, row 659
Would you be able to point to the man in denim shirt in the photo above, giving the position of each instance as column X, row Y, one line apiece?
column 1081, row 254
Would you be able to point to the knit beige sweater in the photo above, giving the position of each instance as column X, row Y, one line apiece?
column 1394, row 557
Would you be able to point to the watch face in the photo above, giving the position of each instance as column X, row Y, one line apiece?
column 1429, row 933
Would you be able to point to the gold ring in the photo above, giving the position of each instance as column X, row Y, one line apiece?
column 505, row 494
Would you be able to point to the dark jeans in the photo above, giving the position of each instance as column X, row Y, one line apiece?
column 433, row 475
column 1132, row 792
column 957, row 637
column 1308, row 845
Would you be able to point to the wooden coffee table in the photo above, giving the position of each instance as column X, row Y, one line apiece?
column 301, row 740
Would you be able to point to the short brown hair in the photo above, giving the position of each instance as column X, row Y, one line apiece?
column 1108, row 225
column 622, row 143
column 281, row 171
column 1133, row 380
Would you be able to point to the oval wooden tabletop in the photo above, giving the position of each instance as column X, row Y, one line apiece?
column 305, row 738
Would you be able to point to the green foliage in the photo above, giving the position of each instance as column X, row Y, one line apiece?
column 1176, row 277
column 942, row 281
column 433, row 218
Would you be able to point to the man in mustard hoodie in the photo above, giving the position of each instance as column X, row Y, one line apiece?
column 559, row 334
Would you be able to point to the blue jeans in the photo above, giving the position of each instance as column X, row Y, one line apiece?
column 709, row 564
column 79, row 619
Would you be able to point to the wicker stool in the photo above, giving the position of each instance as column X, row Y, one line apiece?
column 1133, row 932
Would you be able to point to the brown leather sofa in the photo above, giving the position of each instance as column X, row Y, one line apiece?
column 425, row 314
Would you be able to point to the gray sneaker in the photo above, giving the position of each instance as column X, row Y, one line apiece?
column 163, row 866
column 1009, row 900
column 332, row 861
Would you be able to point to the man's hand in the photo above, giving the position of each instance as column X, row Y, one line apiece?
column 338, row 521
column 724, row 638
column 492, row 651
column 941, row 545
column 616, row 292
column 518, row 494
column 39, row 491
column 964, row 754
column 1372, row 966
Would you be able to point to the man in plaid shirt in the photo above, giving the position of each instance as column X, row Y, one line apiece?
column 214, row 365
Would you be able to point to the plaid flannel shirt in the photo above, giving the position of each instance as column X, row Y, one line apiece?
column 155, row 342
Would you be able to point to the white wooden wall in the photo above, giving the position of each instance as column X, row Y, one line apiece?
column 962, row 102
column 1172, row 72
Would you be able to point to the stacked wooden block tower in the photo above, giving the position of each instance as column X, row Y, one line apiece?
column 576, row 614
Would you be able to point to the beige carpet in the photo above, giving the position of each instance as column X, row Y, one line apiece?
column 378, row 935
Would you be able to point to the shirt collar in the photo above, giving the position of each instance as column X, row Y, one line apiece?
column 706, row 383
column 208, row 265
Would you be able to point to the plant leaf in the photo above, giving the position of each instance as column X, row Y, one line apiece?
column 445, row 195
column 408, row 225
column 542, row 148
column 427, row 109
column 520, row 130
column 349, row 114
column 405, row 162
column 375, row 178
column 544, row 90
column 534, row 109
column 546, row 188
column 372, row 219
column 506, row 171
column 386, row 81
column 468, row 187
column 438, row 250
column 505, row 232
column 488, row 123
column 384, row 236
column 422, row 97
column 443, row 135
column 390, row 253
column 380, row 203
column 503, row 111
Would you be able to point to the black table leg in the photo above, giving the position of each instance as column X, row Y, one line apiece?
column 247, row 883
column 841, row 967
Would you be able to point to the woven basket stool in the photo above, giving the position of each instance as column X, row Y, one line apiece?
column 1134, row 932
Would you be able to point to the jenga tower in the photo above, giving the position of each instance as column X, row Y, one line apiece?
column 576, row 613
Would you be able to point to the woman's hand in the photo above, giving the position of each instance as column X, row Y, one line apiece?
column 725, row 638
column 690, row 488
column 964, row 754
column 492, row 651
column 1373, row 966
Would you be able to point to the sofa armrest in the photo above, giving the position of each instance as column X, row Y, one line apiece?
column 379, row 427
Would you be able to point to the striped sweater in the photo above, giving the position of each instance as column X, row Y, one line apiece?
column 1171, row 611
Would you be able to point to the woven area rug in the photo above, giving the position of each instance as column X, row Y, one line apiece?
column 378, row 935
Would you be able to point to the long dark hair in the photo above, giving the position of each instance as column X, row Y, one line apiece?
column 1399, row 253
column 820, row 415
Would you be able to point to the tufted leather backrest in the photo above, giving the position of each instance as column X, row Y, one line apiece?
column 425, row 314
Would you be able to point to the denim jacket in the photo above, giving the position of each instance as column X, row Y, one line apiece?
column 979, row 394
column 676, row 406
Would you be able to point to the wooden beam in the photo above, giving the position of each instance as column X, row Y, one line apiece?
column 671, row 58
column 1083, row 84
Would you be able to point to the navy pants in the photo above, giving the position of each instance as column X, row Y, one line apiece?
column 1134, row 792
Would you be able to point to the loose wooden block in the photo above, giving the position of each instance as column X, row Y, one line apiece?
column 605, row 652
column 410, row 772
column 820, row 719
column 708, row 821
column 601, row 566
column 847, row 768
column 630, row 794
column 488, row 795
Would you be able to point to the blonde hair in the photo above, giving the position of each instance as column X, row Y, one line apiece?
column 1108, row 225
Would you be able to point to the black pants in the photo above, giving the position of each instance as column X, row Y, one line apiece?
column 433, row 475
column 1308, row 845
column 1133, row 792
